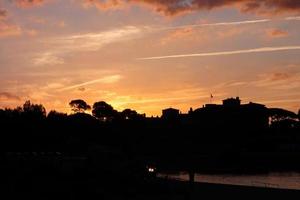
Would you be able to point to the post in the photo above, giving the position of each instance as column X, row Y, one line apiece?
column 191, row 177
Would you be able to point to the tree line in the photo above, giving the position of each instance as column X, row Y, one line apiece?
column 209, row 133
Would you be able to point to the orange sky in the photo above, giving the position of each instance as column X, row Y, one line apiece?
column 149, row 55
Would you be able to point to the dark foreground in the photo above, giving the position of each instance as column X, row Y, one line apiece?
column 155, row 188
column 109, row 155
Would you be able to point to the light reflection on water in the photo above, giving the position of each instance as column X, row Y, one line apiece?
column 272, row 180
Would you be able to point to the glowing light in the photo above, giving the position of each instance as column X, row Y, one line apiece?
column 151, row 170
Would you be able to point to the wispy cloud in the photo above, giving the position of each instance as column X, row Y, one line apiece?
column 60, row 46
column 7, row 30
column 31, row 32
column 278, row 81
column 292, row 18
column 224, row 53
column 280, row 101
column 3, row 13
column 6, row 27
column 178, row 7
column 276, row 33
column 48, row 59
column 8, row 96
column 104, row 80
column 274, row 81
column 193, row 32
column 37, row 20
column 226, row 23
column 28, row 3
column 233, row 23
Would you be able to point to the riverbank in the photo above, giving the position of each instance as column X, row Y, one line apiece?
column 279, row 180
column 154, row 188
column 213, row 190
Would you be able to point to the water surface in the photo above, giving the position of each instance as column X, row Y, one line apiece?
column 271, row 180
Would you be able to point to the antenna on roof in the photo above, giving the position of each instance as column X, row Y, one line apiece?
column 238, row 92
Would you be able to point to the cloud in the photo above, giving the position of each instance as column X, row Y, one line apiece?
column 61, row 24
column 279, row 76
column 58, row 47
column 293, row 18
column 220, row 24
column 31, row 32
column 176, row 7
column 47, row 59
column 275, row 81
column 192, row 31
column 224, row 53
column 192, row 34
column 178, row 34
column 37, row 20
column 105, row 4
column 281, row 101
column 81, row 89
column 278, row 80
column 104, row 80
column 188, row 27
column 7, row 30
column 276, row 33
column 28, row 3
column 3, row 13
column 4, row 96
column 232, row 84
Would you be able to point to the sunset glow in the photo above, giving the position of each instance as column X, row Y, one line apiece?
column 149, row 55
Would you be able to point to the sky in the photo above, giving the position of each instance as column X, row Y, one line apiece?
column 149, row 54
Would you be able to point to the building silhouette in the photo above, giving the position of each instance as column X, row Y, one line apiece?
column 233, row 115
column 232, row 102
column 170, row 114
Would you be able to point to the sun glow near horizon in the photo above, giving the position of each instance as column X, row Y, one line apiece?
column 149, row 55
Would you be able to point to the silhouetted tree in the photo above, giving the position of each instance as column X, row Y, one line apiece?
column 129, row 114
column 283, row 119
column 12, row 113
column 34, row 111
column 79, row 106
column 56, row 116
column 278, row 114
column 103, row 111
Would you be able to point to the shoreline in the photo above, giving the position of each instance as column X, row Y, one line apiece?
column 197, row 190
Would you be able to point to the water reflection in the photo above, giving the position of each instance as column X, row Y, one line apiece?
column 271, row 180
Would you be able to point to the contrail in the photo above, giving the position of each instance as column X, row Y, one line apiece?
column 293, row 18
column 105, row 80
column 223, row 53
column 218, row 24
